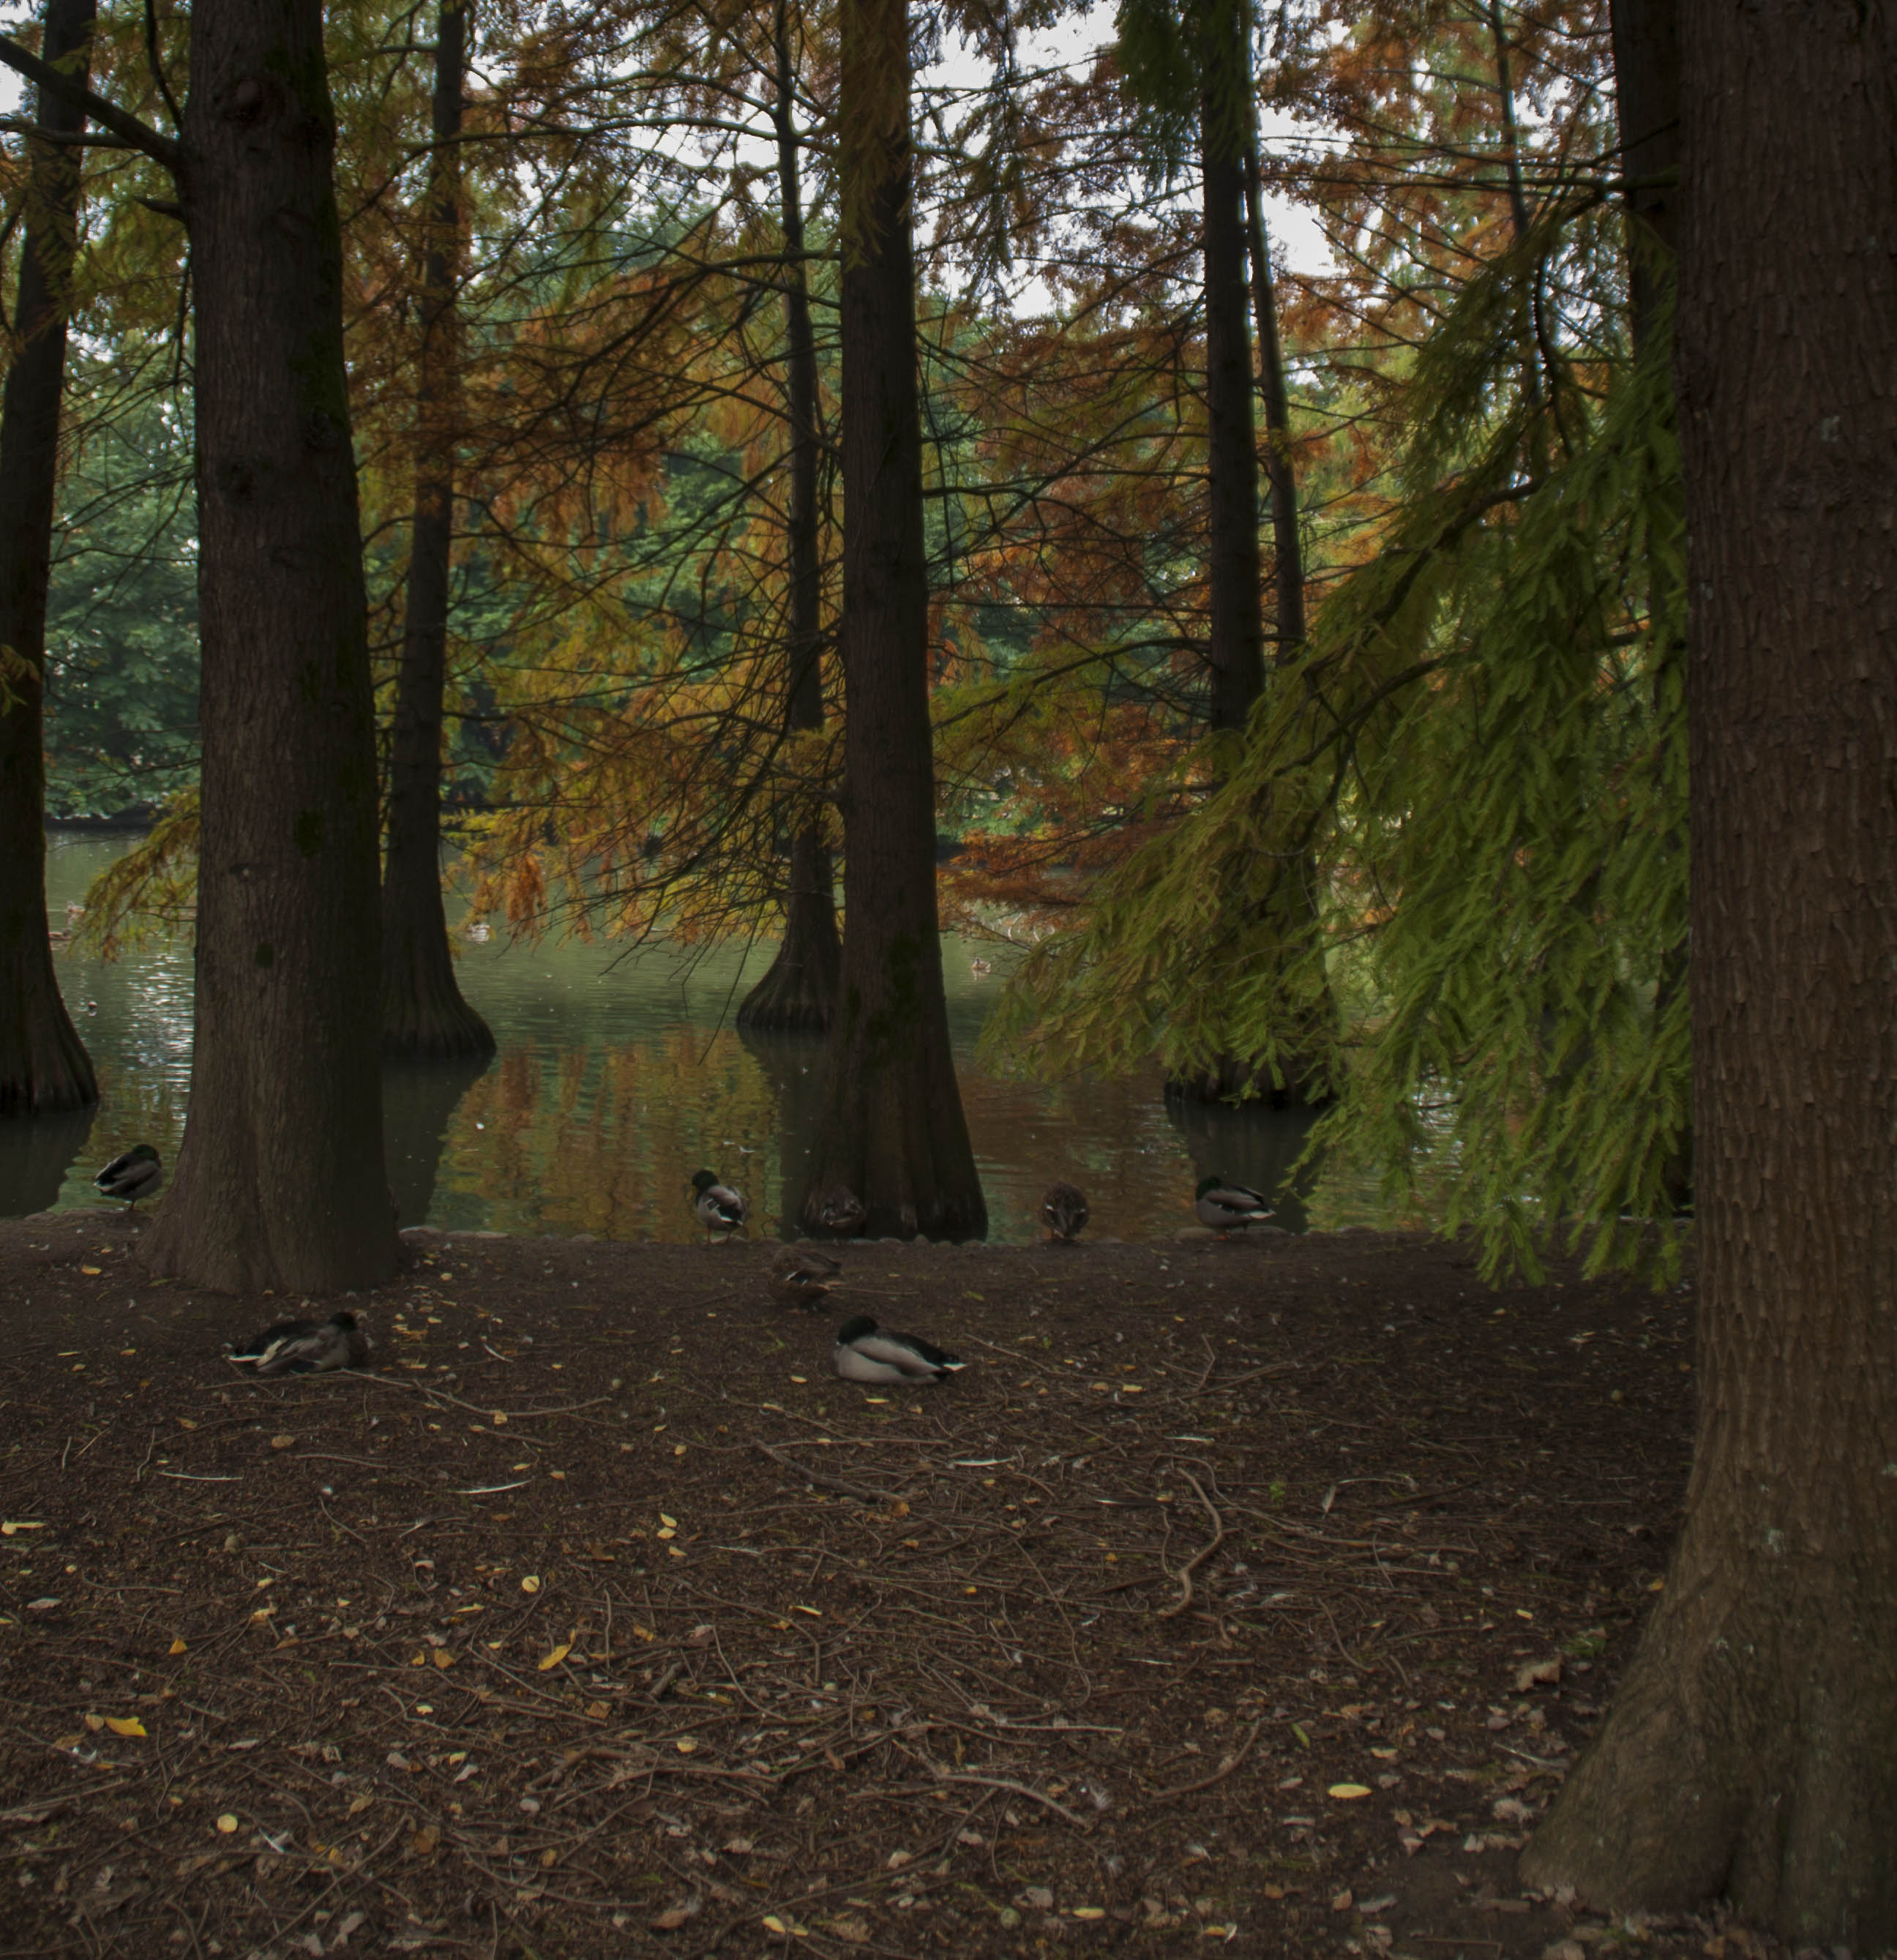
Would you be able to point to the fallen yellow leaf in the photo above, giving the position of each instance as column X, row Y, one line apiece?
column 12, row 1525
column 443, row 1658
column 596, row 1711
column 531, row 1583
column 559, row 1654
column 227, row 1823
column 175, row 1648
column 1348, row 1792
column 124, row 1724
column 359, row 1804
column 92, row 1271
column 685, row 1746
column 664, row 1520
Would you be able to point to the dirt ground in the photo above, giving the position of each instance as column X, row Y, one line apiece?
column 1255, row 1592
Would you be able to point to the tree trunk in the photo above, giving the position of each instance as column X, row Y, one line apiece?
column 423, row 1013
column 43, row 1064
column 1288, row 548
column 1749, row 1753
column 796, row 995
column 1237, row 631
column 1646, row 36
column 892, row 1129
column 279, row 1180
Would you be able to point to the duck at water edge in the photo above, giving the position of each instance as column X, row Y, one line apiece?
column 720, row 1209
column 1228, row 1207
column 136, row 1175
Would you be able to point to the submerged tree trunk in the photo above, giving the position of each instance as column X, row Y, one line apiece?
column 423, row 1013
column 279, row 1179
column 43, row 1064
column 1749, row 1753
column 796, row 994
column 892, row 1129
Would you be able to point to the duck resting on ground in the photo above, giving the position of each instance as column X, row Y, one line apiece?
column 1227, row 1207
column 136, row 1175
column 1064, row 1211
column 867, row 1353
column 801, row 1276
column 719, row 1208
column 306, row 1347
column 839, row 1211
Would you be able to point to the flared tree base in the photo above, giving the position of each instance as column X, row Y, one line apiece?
column 44, row 1067
column 1748, row 1756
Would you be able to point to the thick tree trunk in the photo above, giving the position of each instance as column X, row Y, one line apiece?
column 892, row 1129
column 43, row 1064
column 1749, row 1752
column 796, row 994
column 1236, row 629
column 423, row 1013
column 1646, row 36
column 279, row 1180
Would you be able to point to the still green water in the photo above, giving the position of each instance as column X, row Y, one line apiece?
column 618, row 1075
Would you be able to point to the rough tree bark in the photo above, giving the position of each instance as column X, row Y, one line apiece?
column 891, row 1130
column 279, row 1178
column 1646, row 37
column 1235, row 628
column 796, row 994
column 1287, row 549
column 43, row 1064
column 423, row 1012
column 1749, row 1753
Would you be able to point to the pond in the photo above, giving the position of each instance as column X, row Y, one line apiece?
column 618, row 1074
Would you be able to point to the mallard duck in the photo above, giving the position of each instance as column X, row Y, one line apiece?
column 719, row 1207
column 1064, row 1211
column 801, row 1276
column 136, row 1175
column 867, row 1353
column 981, row 968
column 840, row 1211
column 1227, row 1207
column 307, row 1347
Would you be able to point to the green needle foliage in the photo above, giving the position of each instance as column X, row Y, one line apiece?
column 1481, row 752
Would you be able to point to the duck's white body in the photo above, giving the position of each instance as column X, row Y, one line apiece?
column 867, row 1353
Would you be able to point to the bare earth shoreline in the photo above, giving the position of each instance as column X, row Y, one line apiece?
column 1254, row 1592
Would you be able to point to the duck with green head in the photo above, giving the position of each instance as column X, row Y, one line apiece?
column 1229, row 1208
